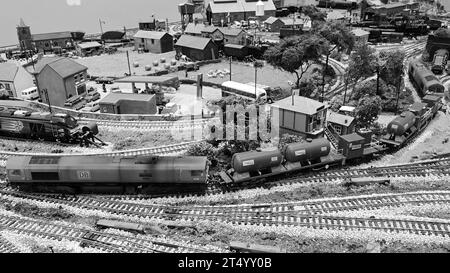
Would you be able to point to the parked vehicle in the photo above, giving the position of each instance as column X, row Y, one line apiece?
column 92, row 106
column 30, row 93
column 75, row 102
column 93, row 96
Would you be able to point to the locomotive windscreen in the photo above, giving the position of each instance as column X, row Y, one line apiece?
column 44, row 160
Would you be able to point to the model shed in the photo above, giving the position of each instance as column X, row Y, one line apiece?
column 197, row 48
column 300, row 115
column 153, row 41
column 126, row 103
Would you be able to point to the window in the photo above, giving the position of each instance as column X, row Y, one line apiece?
column 55, row 43
column 337, row 128
column 24, row 31
column 7, row 86
column 197, row 173
column 44, row 175
column 76, row 78
column 47, row 44
column 81, row 77
column 153, row 41
column 142, row 40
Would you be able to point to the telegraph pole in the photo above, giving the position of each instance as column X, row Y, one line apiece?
column 128, row 58
column 231, row 58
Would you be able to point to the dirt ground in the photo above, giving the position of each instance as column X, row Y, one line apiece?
column 116, row 65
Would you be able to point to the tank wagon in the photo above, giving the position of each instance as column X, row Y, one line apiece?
column 412, row 121
column 46, row 126
column 91, row 174
column 424, row 80
column 313, row 154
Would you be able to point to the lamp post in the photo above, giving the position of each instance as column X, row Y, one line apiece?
column 257, row 64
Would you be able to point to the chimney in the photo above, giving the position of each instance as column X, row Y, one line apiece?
column 200, row 86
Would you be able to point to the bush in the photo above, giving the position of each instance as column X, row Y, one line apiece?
column 336, row 103
column 287, row 139
column 202, row 149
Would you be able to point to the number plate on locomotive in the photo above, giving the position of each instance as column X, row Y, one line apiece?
column 84, row 175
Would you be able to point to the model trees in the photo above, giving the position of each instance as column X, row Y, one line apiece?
column 297, row 54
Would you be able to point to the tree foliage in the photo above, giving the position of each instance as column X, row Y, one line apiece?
column 363, row 62
column 314, row 13
column 287, row 139
column 369, row 88
column 393, row 66
column 202, row 149
column 337, row 33
column 367, row 111
column 296, row 54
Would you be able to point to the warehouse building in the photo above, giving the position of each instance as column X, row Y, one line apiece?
column 126, row 103
column 300, row 116
column 197, row 48
column 218, row 11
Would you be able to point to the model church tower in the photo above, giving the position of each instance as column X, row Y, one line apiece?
column 24, row 35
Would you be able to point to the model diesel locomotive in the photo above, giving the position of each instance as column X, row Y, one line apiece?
column 92, row 174
column 424, row 80
column 46, row 126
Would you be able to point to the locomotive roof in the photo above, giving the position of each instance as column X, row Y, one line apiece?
column 80, row 161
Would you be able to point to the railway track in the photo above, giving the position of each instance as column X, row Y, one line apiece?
column 429, row 228
column 308, row 214
column 99, row 240
column 410, row 50
column 7, row 247
column 161, row 150
column 152, row 125
column 141, row 210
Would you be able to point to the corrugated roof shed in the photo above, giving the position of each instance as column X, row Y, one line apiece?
column 301, row 105
column 231, row 31
column 193, row 42
column 352, row 137
column 193, row 28
column 89, row 45
column 271, row 20
column 8, row 71
column 52, row 36
column 113, row 98
column 157, row 35
column 238, row 6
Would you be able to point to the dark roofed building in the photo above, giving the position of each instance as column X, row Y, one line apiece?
column 235, row 36
column 153, row 41
column 341, row 124
column 113, row 36
column 46, row 42
column 63, row 78
column 197, row 48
